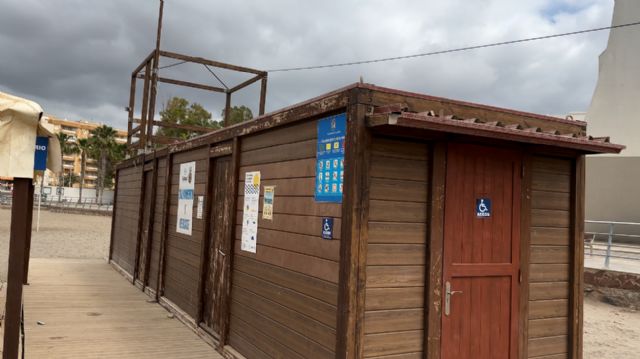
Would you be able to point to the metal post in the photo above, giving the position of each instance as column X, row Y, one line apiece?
column 17, row 246
column 609, row 242
column 40, row 202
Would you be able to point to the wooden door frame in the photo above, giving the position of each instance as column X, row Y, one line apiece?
column 434, row 277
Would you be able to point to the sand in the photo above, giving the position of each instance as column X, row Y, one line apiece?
column 610, row 332
column 61, row 235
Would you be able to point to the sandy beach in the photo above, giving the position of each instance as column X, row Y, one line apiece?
column 61, row 235
column 609, row 332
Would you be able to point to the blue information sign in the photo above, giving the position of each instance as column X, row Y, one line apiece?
column 483, row 207
column 40, row 160
column 327, row 228
column 330, row 158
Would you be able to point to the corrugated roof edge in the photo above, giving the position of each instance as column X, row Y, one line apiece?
column 471, row 104
column 452, row 124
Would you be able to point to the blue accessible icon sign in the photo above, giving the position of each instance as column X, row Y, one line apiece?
column 483, row 207
column 327, row 228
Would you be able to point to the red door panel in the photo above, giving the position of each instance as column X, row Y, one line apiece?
column 481, row 253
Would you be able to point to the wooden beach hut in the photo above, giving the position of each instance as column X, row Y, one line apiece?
column 366, row 223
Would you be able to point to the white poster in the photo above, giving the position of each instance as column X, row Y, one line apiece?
column 250, row 211
column 185, row 197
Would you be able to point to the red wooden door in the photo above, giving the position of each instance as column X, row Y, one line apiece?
column 481, row 253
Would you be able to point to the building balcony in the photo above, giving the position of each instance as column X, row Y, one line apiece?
column 90, row 177
column 67, row 165
column 91, row 169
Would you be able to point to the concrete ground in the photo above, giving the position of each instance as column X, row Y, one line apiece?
column 610, row 332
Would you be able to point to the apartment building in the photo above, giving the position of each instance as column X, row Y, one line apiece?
column 72, row 163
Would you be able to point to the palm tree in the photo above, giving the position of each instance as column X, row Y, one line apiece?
column 104, row 142
column 84, row 146
column 66, row 148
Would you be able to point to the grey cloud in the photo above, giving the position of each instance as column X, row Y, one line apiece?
column 75, row 57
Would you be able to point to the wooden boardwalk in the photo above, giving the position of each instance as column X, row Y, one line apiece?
column 90, row 311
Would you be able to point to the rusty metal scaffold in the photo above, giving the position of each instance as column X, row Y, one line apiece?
column 142, row 128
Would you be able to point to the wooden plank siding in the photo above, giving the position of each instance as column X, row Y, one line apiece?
column 126, row 219
column 550, row 252
column 284, row 297
column 396, row 250
column 183, row 252
column 154, row 265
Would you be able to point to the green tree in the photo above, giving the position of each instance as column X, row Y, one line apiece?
column 239, row 114
column 84, row 146
column 70, row 179
column 67, row 147
column 104, row 144
column 178, row 111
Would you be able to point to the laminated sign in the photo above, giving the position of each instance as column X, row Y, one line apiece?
column 267, row 205
column 185, row 197
column 250, row 211
column 330, row 158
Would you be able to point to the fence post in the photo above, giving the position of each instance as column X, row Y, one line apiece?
column 609, row 242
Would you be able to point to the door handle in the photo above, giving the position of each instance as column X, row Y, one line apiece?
column 447, row 297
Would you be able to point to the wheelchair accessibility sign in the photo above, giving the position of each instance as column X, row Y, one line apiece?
column 483, row 207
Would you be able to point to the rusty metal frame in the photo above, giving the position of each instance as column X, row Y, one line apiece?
column 142, row 128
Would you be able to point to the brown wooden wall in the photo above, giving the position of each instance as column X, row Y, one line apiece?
column 395, row 261
column 284, row 297
column 182, row 256
column 126, row 219
column 156, row 234
column 548, row 323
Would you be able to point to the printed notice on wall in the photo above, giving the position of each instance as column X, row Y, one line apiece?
column 330, row 158
column 250, row 211
column 267, row 205
column 200, row 207
column 185, row 197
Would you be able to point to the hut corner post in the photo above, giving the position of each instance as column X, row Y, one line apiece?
column 577, row 260
column 21, row 208
column 350, row 309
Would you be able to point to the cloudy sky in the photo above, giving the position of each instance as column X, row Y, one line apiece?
column 75, row 57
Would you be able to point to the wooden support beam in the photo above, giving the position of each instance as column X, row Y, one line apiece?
column 15, row 275
column 145, row 106
column 227, row 110
column 184, row 127
column 229, row 236
column 132, row 103
column 164, row 140
column 27, row 250
column 525, row 253
column 263, row 95
column 134, row 130
column 577, row 259
column 352, row 275
column 191, row 84
column 143, row 63
column 164, row 228
column 433, row 292
column 245, row 84
column 204, row 61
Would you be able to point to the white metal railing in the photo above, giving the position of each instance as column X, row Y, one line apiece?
column 627, row 246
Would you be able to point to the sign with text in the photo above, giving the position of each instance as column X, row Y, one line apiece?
column 330, row 158
column 40, row 160
column 483, row 207
column 186, row 186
